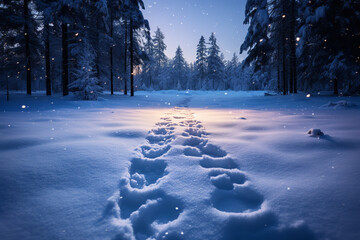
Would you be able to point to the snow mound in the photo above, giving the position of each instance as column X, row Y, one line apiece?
column 314, row 132
column 339, row 104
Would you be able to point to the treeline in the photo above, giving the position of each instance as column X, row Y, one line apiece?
column 210, row 71
column 313, row 45
column 83, row 46
column 87, row 46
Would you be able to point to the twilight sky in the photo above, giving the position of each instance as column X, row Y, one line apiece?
column 184, row 21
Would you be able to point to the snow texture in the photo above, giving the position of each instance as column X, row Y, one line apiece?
column 216, row 166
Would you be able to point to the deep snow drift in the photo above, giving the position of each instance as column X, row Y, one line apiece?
column 179, row 165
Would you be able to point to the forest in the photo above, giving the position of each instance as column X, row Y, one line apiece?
column 91, row 46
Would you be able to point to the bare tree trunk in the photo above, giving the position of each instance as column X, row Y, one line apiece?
column 131, row 58
column 336, row 87
column 27, row 47
column 293, row 82
column 65, row 65
column 47, row 59
column 97, row 58
column 111, row 54
column 278, row 66
column 283, row 36
column 7, row 87
column 125, row 57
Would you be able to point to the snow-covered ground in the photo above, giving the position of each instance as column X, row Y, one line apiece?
column 180, row 165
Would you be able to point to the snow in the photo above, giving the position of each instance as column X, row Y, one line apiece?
column 315, row 132
column 209, row 166
column 339, row 104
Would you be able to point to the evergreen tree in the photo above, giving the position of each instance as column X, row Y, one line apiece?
column 256, row 41
column 159, row 50
column 179, row 67
column 215, row 64
column 329, row 45
column 86, row 84
column 200, row 64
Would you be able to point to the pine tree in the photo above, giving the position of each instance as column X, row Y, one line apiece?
column 179, row 66
column 86, row 84
column 257, row 41
column 329, row 33
column 200, row 64
column 215, row 65
column 159, row 50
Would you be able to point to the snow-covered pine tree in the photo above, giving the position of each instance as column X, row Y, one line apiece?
column 329, row 37
column 257, row 42
column 200, row 64
column 86, row 85
column 159, row 52
column 19, row 38
column 148, row 64
column 231, row 72
column 215, row 65
column 179, row 69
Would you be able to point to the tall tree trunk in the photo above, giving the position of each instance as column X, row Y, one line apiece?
column 27, row 47
column 7, row 87
column 336, row 87
column 131, row 58
column 125, row 57
column 65, row 60
column 97, row 58
column 293, row 80
column 47, row 59
column 283, row 40
column 111, row 54
column 278, row 66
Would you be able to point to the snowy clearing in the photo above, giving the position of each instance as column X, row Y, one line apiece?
column 179, row 165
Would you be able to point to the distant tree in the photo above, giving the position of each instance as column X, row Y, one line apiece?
column 149, row 62
column 200, row 64
column 159, row 50
column 215, row 65
column 179, row 69
column 232, row 72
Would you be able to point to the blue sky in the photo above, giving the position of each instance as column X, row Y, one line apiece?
column 183, row 22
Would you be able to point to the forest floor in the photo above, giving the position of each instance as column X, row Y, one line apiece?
column 180, row 165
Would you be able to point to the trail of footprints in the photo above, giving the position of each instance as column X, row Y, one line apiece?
column 143, row 201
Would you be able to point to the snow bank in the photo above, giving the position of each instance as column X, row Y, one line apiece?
column 339, row 104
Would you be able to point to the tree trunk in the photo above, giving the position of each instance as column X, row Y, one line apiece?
column 336, row 87
column 293, row 82
column 125, row 57
column 65, row 65
column 283, row 36
column 97, row 58
column 27, row 47
column 47, row 59
column 278, row 66
column 111, row 53
column 131, row 58
column 7, row 87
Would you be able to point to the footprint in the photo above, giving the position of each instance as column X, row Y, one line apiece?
column 159, row 131
column 225, row 179
column 159, row 139
column 196, row 132
column 154, row 152
column 145, row 172
column 225, row 162
column 160, row 211
column 213, row 151
column 240, row 200
column 193, row 152
column 194, row 141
